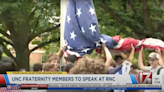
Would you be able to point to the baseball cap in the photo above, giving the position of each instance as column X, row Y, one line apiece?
column 153, row 55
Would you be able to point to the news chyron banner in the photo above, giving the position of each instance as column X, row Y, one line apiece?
column 141, row 81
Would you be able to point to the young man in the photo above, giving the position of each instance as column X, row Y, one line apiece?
column 48, row 67
column 154, row 59
column 119, row 58
column 154, row 67
column 55, row 58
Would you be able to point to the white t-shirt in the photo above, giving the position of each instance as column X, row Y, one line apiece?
column 154, row 71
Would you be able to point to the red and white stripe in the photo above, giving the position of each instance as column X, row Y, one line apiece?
column 152, row 43
column 125, row 44
column 69, row 52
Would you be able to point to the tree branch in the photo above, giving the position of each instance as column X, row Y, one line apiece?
column 43, row 31
column 32, row 13
column 7, row 42
column 45, row 43
column 5, row 34
column 7, row 51
column 37, row 21
column 9, row 21
column 124, row 5
column 132, row 4
column 146, row 16
column 160, row 26
column 112, row 14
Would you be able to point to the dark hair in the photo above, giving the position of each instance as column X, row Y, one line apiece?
column 134, row 66
column 68, row 67
column 7, row 64
column 37, row 67
column 117, row 57
column 72, row 58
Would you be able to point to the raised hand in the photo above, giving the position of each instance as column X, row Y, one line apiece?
column 141, row 49
column 132, row 47
column 158, row 51
column 64, row 47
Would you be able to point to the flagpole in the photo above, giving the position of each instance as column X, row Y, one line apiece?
column 63, row 8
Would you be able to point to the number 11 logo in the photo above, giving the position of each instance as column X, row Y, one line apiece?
column 145, row 77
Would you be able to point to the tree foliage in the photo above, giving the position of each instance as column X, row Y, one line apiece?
column 25, row 20
column 132, row 18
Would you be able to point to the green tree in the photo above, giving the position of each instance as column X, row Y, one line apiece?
column 133, row 18
column 26, row 20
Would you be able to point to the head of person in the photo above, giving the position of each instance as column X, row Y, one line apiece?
column 134, row 69
column 71, row 59
column 48, row 67
column 37, row 67
column 7, row 64
column 54, row 59
column 68, row 68
column 153, row 59
column 89, row 66
column 118, row 59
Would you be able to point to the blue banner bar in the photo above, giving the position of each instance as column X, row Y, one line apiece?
column 91, row 88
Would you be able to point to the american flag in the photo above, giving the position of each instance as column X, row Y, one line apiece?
column 82, row 33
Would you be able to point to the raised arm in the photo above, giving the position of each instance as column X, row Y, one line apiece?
column 162, row 52
column 131, row 53
column 108, row 56
column 161, row 63
column 60, row 53
column 140, row 61
column 123, row 55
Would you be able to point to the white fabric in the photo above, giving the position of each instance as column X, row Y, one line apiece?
column 153, row 42
column 111, row 67
column 125, row 70
column 119, row 44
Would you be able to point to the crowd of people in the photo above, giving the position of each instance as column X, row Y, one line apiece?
column 104, row 64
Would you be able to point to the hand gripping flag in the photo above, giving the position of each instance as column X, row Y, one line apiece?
column 124, row 44
column 82, row 33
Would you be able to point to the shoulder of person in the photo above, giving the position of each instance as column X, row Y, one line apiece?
column 150, row 67
column 162, row 71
